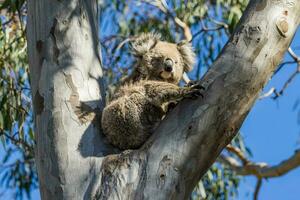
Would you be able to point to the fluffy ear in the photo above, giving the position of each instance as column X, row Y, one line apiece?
column 143, row 43
column 189, row 58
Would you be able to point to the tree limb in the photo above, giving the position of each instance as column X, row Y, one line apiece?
column 257, row 189
column 220, row 25
column 262, row 170
column 238, row 153
column 290, row 79
column 287, row 83
column 293, row 55
column 161, row 5
column 191, row 137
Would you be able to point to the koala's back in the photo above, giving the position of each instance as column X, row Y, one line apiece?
column 130, row 118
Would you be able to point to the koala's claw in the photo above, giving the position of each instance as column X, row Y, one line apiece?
column 196, row 93
column 193, row 93
column 171, row 106
column 194, row 90
column 195, row 84
column 190, row 83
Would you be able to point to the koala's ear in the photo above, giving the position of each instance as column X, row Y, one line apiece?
column 143, row 43
column 189, row 58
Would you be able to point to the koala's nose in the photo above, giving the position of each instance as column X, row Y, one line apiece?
column 168, row 65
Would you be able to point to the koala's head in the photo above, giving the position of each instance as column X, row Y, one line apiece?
column 159, row 60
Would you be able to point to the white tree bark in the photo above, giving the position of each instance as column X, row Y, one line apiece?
column 73, row 159
column 65, row 70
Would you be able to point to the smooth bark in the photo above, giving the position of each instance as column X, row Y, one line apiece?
column 73, row 159
column 262, row 170
column 68, row 95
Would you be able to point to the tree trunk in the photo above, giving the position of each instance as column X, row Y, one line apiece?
column 66, row 81
column 73, row 159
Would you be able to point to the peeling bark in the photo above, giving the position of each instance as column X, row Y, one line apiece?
column 73, row 159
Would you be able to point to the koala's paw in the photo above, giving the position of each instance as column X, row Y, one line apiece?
column 194, row 89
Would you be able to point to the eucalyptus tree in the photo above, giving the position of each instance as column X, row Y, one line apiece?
column 73, row 159
column 67, row 75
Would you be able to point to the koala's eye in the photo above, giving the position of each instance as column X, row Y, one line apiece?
column 155, row 61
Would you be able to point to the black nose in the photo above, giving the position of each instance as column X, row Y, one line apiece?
column 168, row 65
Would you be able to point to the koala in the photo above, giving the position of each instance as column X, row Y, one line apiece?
column 142, row 100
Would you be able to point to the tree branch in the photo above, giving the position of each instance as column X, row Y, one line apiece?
column 161, row 5
column 220, row 25
column 238, row 153
column 293, row 55
column 192, row 136
column 292, row 76
column 290, row 79
column 262, row 170
column 287, row 83
column 257, row 189
column 268, row 94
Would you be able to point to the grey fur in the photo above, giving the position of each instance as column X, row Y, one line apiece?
column 142, row 100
